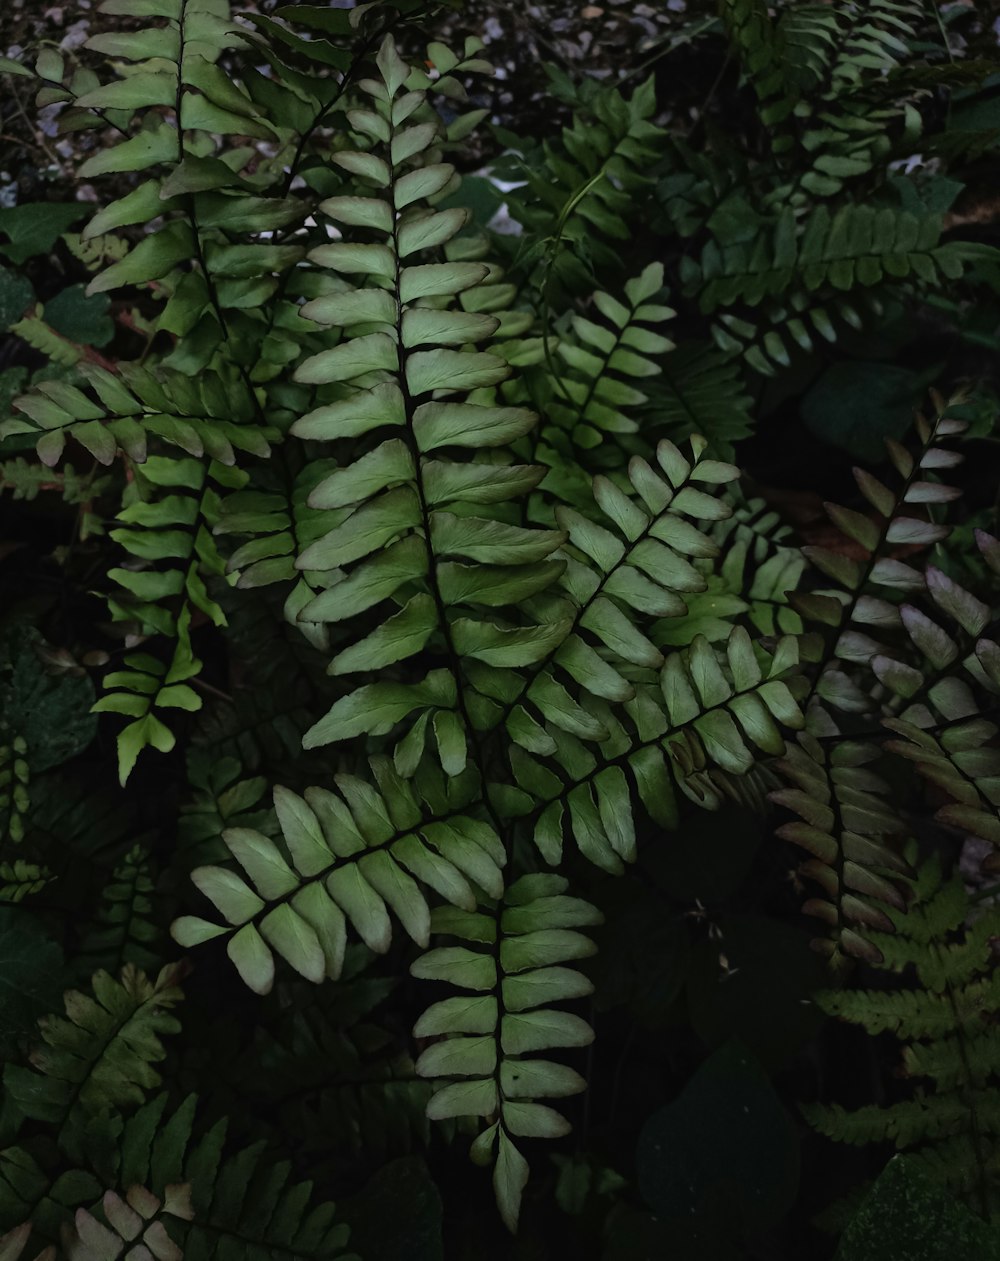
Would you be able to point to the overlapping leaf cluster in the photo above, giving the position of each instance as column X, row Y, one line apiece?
column 548, row 710
column 526, row 614
column 905, row 650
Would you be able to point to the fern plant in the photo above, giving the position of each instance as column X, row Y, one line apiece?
column 424, row 543
column 539, row 657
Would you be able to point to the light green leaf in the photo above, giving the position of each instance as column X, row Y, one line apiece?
column 374, row 708
column 155, row 143
column 234, row 899
column 253, row 960
column 490, row 542
column 542, row 1030
column 425, row 182
column 400, row 892
column 510, row 1177
column 540, row 986
column 399, row 637
column 295, row 940
column 469, row 425
column 434, row 280
column 374, row 353
column 348, row 887
column 365, row 530
column 372, row 581
column 139, row 91
column 424, row 232
column 354, row 416
column 457, row 965
column 388, row 463
column 464, row 1098
column 302, row 832
column 260, row 858
column 507, row 646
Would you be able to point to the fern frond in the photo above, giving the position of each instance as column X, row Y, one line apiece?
column 519, row 689
column 279, row 524
column 123, row 931
column 576, row 195
column 20, row 880
column 220, row 799
column 946, row 1024
column 175, row 1193
column 354, row 854
column 484, row 1044
column 839, row 57
column 592, row 394
column 43, row 338
column 102, row 1052
column 701, row 391
column 760, row 44
column 798, row 268
column 242, row 1203
column 920, row 637
column 207, row 416
column 261, row 728
column 762, row 564
column 139, row 1216
column 26, row 481
column 44, row 720
column 15, row 793
column 171, row 524
column 963, row 760
column 848, row 828
column 346, row 1091
column 716, row 711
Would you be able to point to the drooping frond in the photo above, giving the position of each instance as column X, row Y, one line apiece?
column 211, row 415
column 848, row 829
column 888, row 664
column 519, row 688
column 486, row 1049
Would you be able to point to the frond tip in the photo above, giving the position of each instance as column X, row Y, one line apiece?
column 486, row 1048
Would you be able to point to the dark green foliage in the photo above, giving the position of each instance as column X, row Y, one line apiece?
column 946, row 1025
column 724, row 1147
column 438, row 576
column 30, row 966
column 906, row 1216
column 45, row 719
